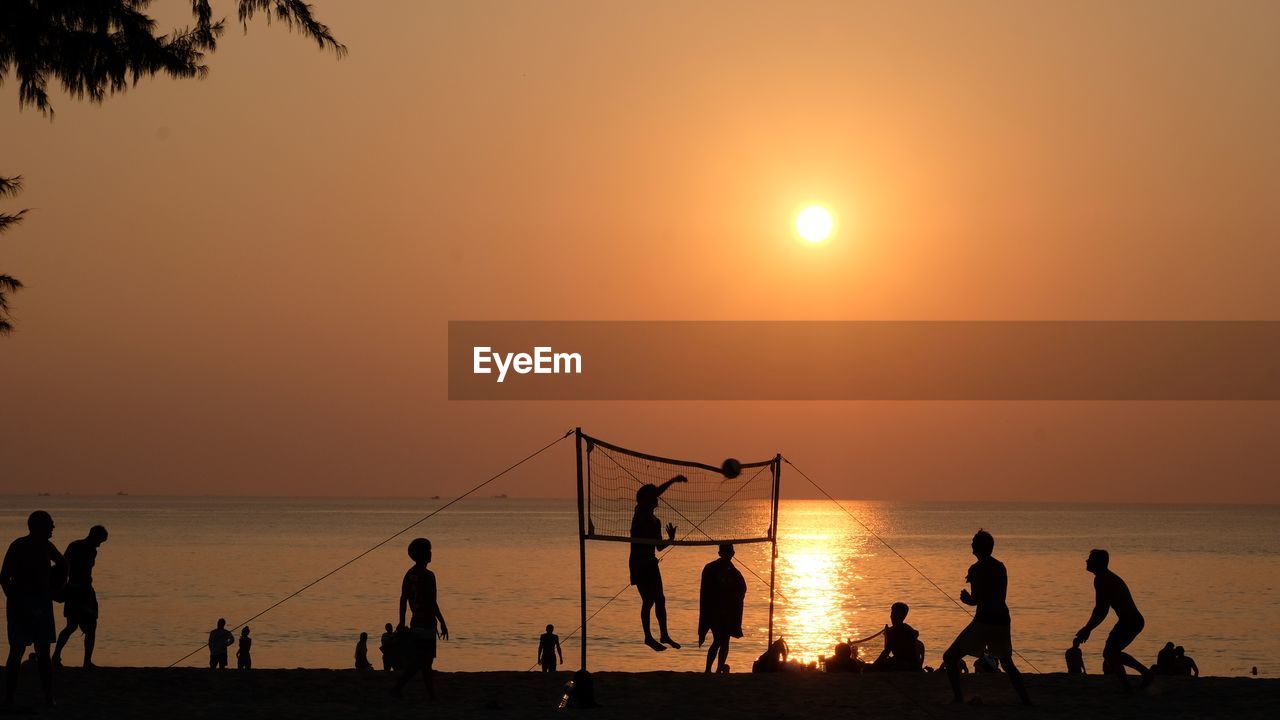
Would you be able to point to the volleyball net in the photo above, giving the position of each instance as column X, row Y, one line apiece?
column 709, row 508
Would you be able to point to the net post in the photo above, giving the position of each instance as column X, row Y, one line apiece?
column 582, row 548
column 773, row 536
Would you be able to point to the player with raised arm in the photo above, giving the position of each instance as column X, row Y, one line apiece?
column 643, row 562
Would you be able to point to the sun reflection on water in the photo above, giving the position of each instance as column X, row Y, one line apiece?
column 817, row 596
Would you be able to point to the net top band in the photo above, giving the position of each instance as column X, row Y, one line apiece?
column 591, row 442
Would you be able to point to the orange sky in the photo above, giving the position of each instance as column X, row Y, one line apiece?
column 240, row 285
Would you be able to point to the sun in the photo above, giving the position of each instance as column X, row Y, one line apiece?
column 815, row 224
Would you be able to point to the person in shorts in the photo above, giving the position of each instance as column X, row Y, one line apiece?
column 989, row 633
column 33, row 572
column 220, row 638
column 81, row 605
column 643, row 561
column 1111, row 593
column 417, row 642
column 548, row 649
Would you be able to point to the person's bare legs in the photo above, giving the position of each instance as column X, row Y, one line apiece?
column 1118, row 661
column 411, row 668
column 645, row 604
column 712, row 650
column 11, row 667
column 660, row 609
column 90, row 638
column 723, row 655
column 63, row 637
column 952, row 658
column 45, row 666
column 426, row 679
column 1015, row 678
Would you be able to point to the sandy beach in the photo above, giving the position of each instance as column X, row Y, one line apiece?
column 197, row 693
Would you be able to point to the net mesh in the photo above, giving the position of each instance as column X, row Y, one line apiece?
column 708, row 509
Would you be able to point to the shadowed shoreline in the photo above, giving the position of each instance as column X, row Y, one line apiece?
column 281, row 694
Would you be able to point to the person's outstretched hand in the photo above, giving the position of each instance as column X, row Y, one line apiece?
column 1082, row 637
column 671, row 531
column 444, row 631
column 679, row 478
column 965, row 597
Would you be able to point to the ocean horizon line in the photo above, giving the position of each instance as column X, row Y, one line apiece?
column 572, row 499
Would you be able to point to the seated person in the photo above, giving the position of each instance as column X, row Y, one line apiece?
column 1165, row 660
column 773, row 659
column 845, row 659
column 1075, row 659
column 1183, row 664
column 988, row 663
column 362, row 653
column 903, row 650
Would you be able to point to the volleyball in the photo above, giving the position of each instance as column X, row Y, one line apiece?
column 731, row 468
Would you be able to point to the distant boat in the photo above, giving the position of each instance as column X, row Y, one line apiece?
column 500, row 496
column 43, row 494
column 434, row 497
column 122, row 493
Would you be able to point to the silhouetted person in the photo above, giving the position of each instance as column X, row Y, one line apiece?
column 362, row 653
column 388, row 649
column 548, row 649
column 33, row 572
column 989, row 632
column 1165, row 660
column 845, row 659
column 244, row 653
column 416, row 648
column 643, row 562
column 1075, row 660
column 1183, row 664
column 81, row 603
column 773, row 659
column 986, row 664
column 220, row 638
column 720, row 600
column 1111, row 593
column 902, row 647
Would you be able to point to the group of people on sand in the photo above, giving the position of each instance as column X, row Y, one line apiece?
column 34, row 576
column 389, row 648
column 987, row 637
column 220, row 641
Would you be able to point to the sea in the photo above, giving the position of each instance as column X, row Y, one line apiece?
column 1205, row 577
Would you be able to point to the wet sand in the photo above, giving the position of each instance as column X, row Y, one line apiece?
column 145, row 693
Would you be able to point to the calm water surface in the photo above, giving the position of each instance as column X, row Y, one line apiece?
column 1205, row 577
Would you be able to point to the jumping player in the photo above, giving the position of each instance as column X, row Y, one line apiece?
column 643, row 562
